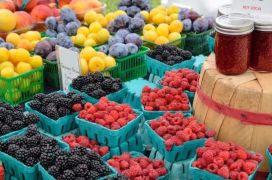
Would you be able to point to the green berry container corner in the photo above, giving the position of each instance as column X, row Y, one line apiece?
column 23, row 87
column 198, row 43
column 108, row 137
column 51, row 73
column 180, row 43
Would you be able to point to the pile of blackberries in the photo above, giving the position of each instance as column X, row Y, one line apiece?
column 12, row 118
column 57, row 105
column 31, row 147
column 169, row 54
column 97, row 85
column 79, row 163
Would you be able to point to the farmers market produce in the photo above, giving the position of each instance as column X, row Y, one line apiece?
column 97, row 85
column 169, row 54
column 137, row 167
column 165, row 99
column 117, row 177
column 164, row 33
column 182, row 79
column 57, row 105
column 92, row 61
column 30, row 148
column 41, row 12
column 133, row 7
column 12, row 118
column 176, row 129
column 108, row 114
column 79, row 163
column 67, row 24
column 227, row 160
column 84, row 141
column 7, row 20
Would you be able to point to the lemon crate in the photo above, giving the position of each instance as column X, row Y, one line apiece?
column 180, row 43
column 177, row 153
column 159, row 68
column 15, row 168
column 23, row 87
column 54, row 127
column 108, row 137
column 116, row 96
column 199, row 174
column 198, row 43
column 51, row 73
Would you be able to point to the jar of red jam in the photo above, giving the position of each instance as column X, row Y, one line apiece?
column 261, row 56
column 233, row 43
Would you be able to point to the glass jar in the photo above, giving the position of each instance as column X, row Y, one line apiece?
column 224, row 10
column 233, row 43
column 261, row 56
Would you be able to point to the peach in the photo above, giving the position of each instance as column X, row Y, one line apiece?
column 64, row 2
column 23, row 19
column 29, row 6
column 56, row 12
column 82, row 6
column 7, row 4
column 41, row 12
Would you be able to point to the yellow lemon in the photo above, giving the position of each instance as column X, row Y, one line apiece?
column 95, row 27
column 161, row 40
column 89, row 42
column 162, row 30
column 32, row 36
column 4, row 54
column 100, row 54
column 80, row 39
column 84, row 66
column 172, row 10
column 13, row 38
column 150, row 36
column 7, row 72
column 176, row 26
column 110, row 16
column 33, row 44
column 109, row 61
column 22, row 55
column 12, row 56
column 6, row 64
column 7, row 20
column 90, row 17
column 168, row 19
column 87, row 53
column 102, row 20
column 174, row 36
column 96, row 64
column 103, row 35
column 119, row 12
column 24, row 44
column 174, row 17
column 149, row 27
column 23, row 67
column 158, row 19
column 93, row 36
column 83, row 30
column 36, row 61
column 154, row 12
column 145, row 14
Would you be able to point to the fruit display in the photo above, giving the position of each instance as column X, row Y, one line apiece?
column 117, row 177
column 92, row 36
column 108, row 114
column 30, row 148
column 226, row 160
column 96, row 84
column 122, row 44
column 193, row 22
column 84, row 141
column 133, row 7
column 164, row 33
column 181, row 79
column 27, row 40
column 79, row 163
column 92, row 61
column 12, row 118
column 57, row 105
column 175, row 129
column 6, row 45
column 66, row 24
column 169, row 54
column 138, row 167
column 165, row 99
column 133, row 25
column 41, row 12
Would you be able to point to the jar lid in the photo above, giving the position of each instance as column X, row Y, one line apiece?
column 263, row 24
column 234, row 24
column 225, row 9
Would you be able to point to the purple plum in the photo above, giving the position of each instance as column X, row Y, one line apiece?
column 200, row 25
column 211, row 21
column 123, row 8
column 132, row 48
column 136, row 25
column 51, row 23
column 71, row 28
column 111, row 27
column 51, row 33
column 7, row 45
column 51, row 56
column 132, row 10
column 134, row 38
column 43, row 48
column 67, row 15
column 124, row 3
column 121, row 21
column 187, row 25
column 122, row 33
column 118, row 50
column 191, row 14
column 115, row 39
column 2, row 40
column 104, row 48
column 53, row 42
column 60, row 28
column 182, row 13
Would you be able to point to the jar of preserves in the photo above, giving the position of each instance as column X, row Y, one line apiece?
column 233, row 43
column 224, row 10
column 261, row 56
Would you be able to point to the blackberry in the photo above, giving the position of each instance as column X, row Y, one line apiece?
column 2, row 117
column 95, row 164
column 68, row 175
column 79, row 151
column 19, row 140
column 187, row 55
column 116, row 87
column 32, row 130
column 94, row 156
column 12, row 148
column 18, row 108
column 31, row 142
column 62, row 162
column 165, row 54
column 89, row 88
column 21, row 154
column 78, row 82
column 98, row 76
column 47, row 141
column 56, row 95
column 43, row 110
column 174, row 53
column 39, row 96
column 80, row 178
column 46, row 101
column 35, row 104
column 63, row 102
column 63, row 111
column 170, row 63
column 70, row 94
column 3, row 146
column 81, row 170
column 86, row 160
column 38, row 138
column 51, row 105
column 31, row 119
column 46, row 159
column 31, row 161
column 8, row 119
column 52, row 113
column 98, row 93
column 107, row 84
column 74, row 160
column 103, row 170
column 150, row 53
column 18, row 115
column 76, row 99
column 93, row 175
column 5, row 129
column 16, row 125
column 159, row 48
column 159, row 57
column 60, row 152
column 54, row 171
column 90, row 78
column 3, row 111
column 170, row 58
column 35, row 152
column 178, row 59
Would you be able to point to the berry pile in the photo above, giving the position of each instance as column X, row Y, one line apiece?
column 133, row 7
column 12, row 118
column 97, row 85
column 165, row 99
column 227, row 160
column 29, row 148
column 84, row 141
column 79, row 163
column 169, row 54
column 176, row 129
column 270, row 148
column 182, row 79
column 138, row 167
column 57, row 105
column 108, row 113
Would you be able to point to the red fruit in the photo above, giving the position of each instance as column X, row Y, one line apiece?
column 171, row 129
column 161, row 171
column 161, row 130
column 143, row 162
column 188, row 131
column 77, row 107
column 124, row 165
column 234, row 175
column 200, row 135
column 146, row 89
column 114, row 163
column 115, row 126
column 224, row 172
column 224, row 154
column 108, row 118
column 73, row 144
column 210, row 133
column 241, row 154
column 134, row 170
column 235, row 166
column 101, row 105
column 197, row 164
column 125, row 156
column 218, row 161
column 91, row 109
column 131, row 117
column 114, row 114
column 148, row 108
column 154, row 124
column 208, row 156
column 233, row 155
column 181, row 135
column 83, row 114
column 200, row 151
column 158, row 164
column 210, row 142
column 257, row 157
column 192, row 89
column 229, row 162
column 169, row 143
column 167, row 136
column 153, row 174
column 249, row 167
column 203, row 162
column 87, row 106
column 122, row 122
column 242, row 176
column 100, row 121
column 83, row 140
column 90, row 117
column 223, row 146
column 212, row 168
column 103, row 150
column 69, row 138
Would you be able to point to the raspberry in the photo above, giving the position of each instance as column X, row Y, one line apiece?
column 161, row 130
column 148, row 108
column 219, row 161
column 229, row 162
column 241, row 154
column 169, row 143
column 242, row 176
column 161, row 171
column 108, row 118
column 249, row 167
column 224, row 172
column 224, row 155
column 122, row 122
column 257, row 157
column 115, row 126
column 233, row 155
column 208, row 156
column 200, row 135
column 77, row 107
column 167, row 136
column 143, row 163
column 234, row 175
column 235, row 166
column 69, row 138
column 210, row 133
column 210, row 142
column 124, row 165
column 100, row 121
column 146, row 89
column 182, row 136
column 125, row 156
column 153, row 174
column 103, row 150
column 212, row 168
column 83, row 140
column 154, row 124
column 203, row 162
column 83, row 114
column 88, row 106
column 158, row 163
column 197, row 164
column 223, row 146
column 114, row 114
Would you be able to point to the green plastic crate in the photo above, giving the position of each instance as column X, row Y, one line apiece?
column 180, row 43
column 198, row 43
column 51, row 74
column 23, row 87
